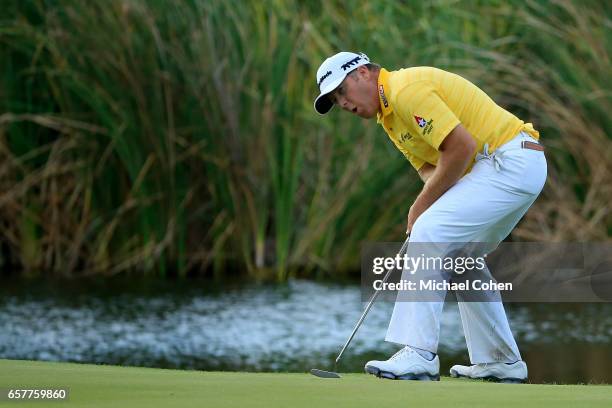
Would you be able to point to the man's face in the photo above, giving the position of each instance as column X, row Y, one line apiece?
column 357, row 93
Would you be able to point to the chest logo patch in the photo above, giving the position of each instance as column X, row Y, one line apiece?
column 405, row 137
column 427, row 126
column 420, row 121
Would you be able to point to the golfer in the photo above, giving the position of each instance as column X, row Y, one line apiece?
column 482, row 167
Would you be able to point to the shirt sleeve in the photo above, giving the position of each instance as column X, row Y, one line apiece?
column 425, row 112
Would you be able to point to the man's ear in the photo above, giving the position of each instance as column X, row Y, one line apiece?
column 363, row 71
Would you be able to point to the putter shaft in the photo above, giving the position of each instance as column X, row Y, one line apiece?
column 371, row 302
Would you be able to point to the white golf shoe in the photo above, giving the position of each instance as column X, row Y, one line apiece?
column 502, row 372
column 406, row 364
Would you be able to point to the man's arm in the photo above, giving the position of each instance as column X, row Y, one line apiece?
column 456, row 151
column 426, row 171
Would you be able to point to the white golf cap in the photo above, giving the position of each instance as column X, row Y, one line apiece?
column 332, row 72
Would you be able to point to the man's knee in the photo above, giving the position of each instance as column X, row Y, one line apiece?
column 425, row 229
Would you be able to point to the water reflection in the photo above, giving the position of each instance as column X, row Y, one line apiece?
column 289, row 328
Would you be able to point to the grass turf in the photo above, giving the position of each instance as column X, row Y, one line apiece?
column 113, row 386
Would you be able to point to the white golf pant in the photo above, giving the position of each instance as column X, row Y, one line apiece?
column 483, row 206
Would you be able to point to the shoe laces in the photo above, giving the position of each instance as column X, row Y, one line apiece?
column 481, row 366
column 401, row 353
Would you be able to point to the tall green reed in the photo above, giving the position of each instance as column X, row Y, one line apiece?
column 179, row 138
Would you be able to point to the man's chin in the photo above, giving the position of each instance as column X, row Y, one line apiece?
column 366, row 115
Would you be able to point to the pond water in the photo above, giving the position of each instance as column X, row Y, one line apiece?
column 291, row 327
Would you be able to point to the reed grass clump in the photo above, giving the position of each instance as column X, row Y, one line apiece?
column 178, row 138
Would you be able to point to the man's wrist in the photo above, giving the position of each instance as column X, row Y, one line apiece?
column 421, row 203
column 426, row 196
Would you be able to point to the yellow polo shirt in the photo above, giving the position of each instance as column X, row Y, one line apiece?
column 420, row 106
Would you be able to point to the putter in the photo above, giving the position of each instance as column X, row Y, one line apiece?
column 332, row 374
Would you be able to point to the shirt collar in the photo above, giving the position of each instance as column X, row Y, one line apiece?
column 383, row 95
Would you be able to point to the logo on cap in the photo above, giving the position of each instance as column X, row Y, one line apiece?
column 350, row 63
column 325, row 75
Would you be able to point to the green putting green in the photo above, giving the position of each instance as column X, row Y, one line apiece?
column 112, row 386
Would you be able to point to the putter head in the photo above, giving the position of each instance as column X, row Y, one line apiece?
column 324, row 374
